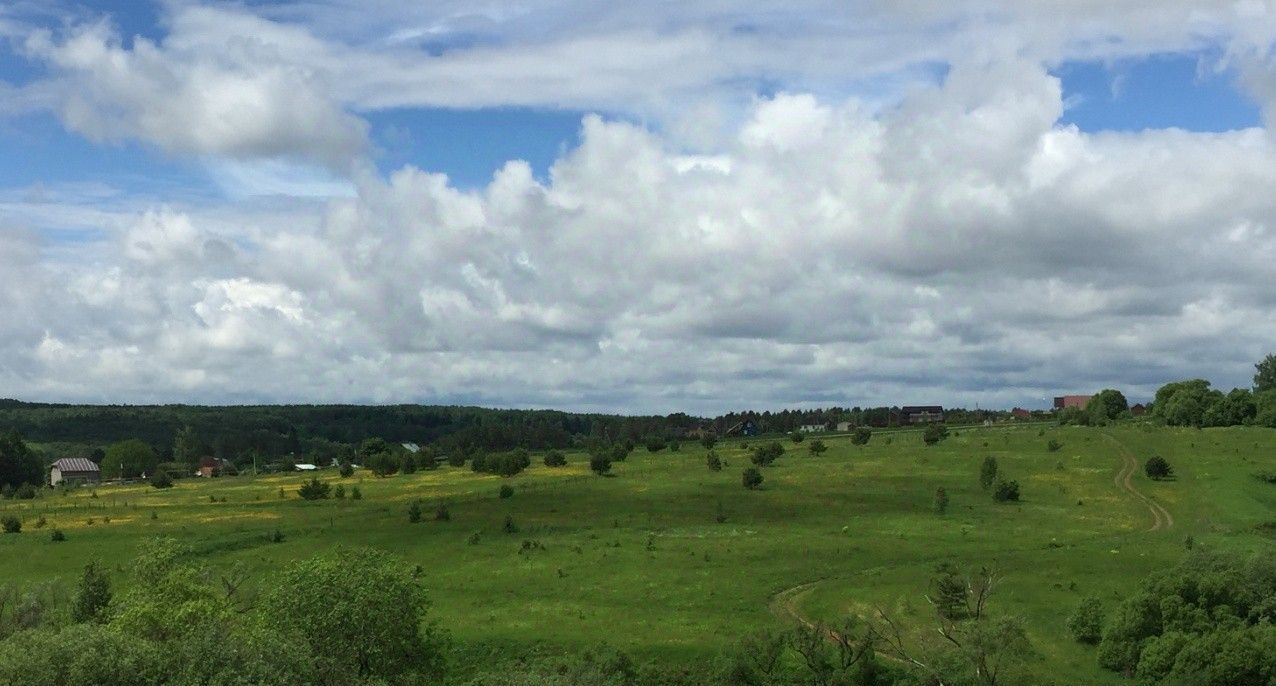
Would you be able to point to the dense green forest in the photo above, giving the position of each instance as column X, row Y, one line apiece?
column 232, row 432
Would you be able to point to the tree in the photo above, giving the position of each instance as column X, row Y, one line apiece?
column 129, row 460
column 506, row 491
column 314, row 490
column 92, row 594
column 861, row 435
column 1106, row 405
column 766, row 453
column 988, row 472
column 414, row 511
column 1265, row 374
column 655, row 444
column 817, row 447
column 1006, row 491
column 751, row 478
column 368, row 603
column 1183, row 403
column 797, row 437
column 712, row 460
column 186, row 447
column 1235, row 408
column 708, row 441
column 11, row 524
column 408, row 463
column 941, row 500
column 934, row 433
column 554, row 458
column 1086, row 623
column 600, row 463
column 347, row 470
column 375, row 454
column 161, row 479
column 1157, row 468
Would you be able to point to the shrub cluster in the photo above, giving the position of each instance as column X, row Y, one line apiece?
column 763, row 455
column 503, row 464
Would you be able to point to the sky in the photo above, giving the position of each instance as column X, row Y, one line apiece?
column 650, row 207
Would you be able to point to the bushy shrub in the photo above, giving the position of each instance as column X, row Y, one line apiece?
column 860, row 435
column 934, row 433
column 57, row 536
column 708, row 441
column 314, row 490
column 11, row 524
column 456, row 458
column 988, row 472
column 362, row 616
column 817, row 447
column 414, row 511
column 92, row 594
column 339, row 492
column 1086, row 623
column 767, row 453
column 655, row 444
column 713, row 461
column 441, row 514
column 751, row 478
column 941, row 500
column 509, row 526
column 797, row 437
column 408, row 463
column 1006, row 491
column 554, row 458
column 347, row 470
column 1157, row 468
column 356, row 494
column 600, row 464
column 506, row 491
column 25, row 492
column 506, row 464
column 161, row 479
column 1053, row 446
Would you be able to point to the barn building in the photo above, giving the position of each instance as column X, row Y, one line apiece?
column 74, row 470
column 921, row 414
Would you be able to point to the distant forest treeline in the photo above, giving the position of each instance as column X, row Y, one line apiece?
column 274, row 430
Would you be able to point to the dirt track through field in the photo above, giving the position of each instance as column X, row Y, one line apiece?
column 785, row 603
column 1161, row 517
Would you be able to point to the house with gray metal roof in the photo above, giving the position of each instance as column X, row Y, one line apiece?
column 74, row 470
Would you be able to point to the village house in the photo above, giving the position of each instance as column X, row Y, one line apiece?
column 921, row 414
column 843, row 426
column 1020, row 413
column 1065, row 401
column 747, row 427
column 214, row 466
column 813, row 428
column 74, row 470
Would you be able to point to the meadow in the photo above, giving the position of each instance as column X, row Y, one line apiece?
column 671, row 561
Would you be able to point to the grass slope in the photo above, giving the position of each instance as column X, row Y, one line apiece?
column 641, row 561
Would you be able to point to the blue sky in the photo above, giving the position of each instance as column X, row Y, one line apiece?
column 207, row 201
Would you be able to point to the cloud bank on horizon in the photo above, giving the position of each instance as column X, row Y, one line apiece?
column 801, row 204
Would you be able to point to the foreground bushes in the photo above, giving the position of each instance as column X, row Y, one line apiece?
column 1208, row 621
column 344, row 618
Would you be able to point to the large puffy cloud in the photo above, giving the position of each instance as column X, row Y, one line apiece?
column 960, row 247
column 293, row 79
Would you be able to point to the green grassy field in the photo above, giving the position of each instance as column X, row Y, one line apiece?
column 641, row 561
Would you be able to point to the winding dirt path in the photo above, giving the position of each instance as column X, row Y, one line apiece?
column 785, row 603
column 1124, row 480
